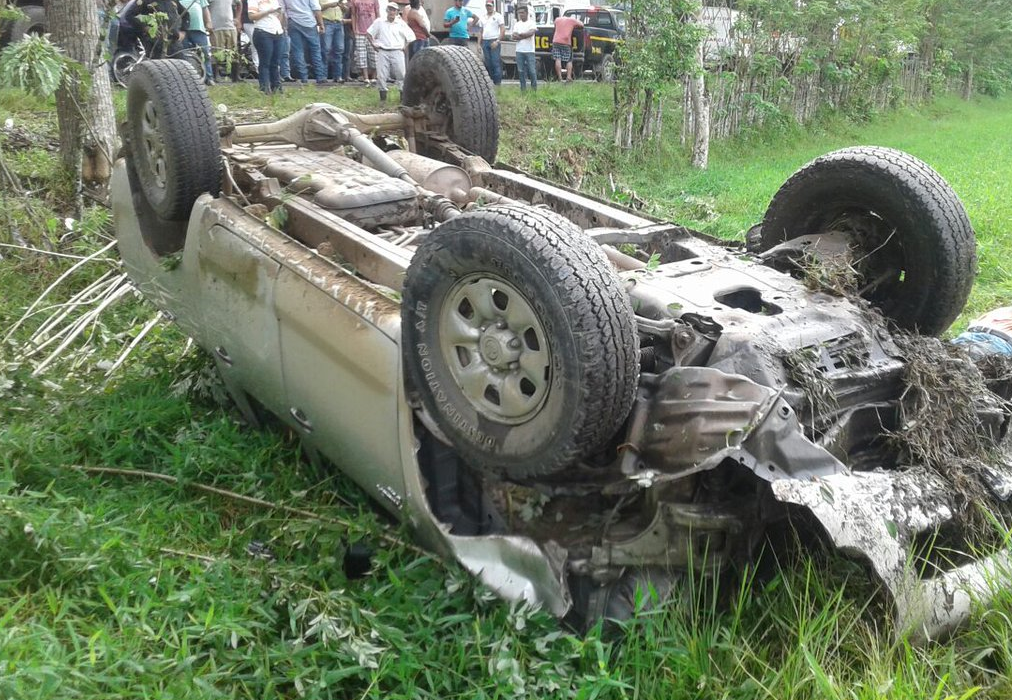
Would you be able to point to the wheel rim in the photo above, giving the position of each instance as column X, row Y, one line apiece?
column 153, row 144
column 121, row 68
column 496, row 349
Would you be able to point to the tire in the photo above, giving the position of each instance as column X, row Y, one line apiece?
column 195, row 58
column 34, row 23
column 515, row 277
column 454, row 88
column 173, row 137
column 917, row 247
column 604, row 72
column 123, row 64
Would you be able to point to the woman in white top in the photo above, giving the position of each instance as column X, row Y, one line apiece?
column 269, row 38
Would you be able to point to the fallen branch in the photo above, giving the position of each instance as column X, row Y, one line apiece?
column 53, row 253
column 250, row 500
column 134, row 343
column 190, row 555
column 97, row 254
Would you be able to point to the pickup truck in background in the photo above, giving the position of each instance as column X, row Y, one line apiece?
column 593, row 48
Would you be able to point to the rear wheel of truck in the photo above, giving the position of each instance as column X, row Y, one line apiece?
column 520, row 340
column 172, row 136
column 453, row 87
column 913, row 248
column 604, row 71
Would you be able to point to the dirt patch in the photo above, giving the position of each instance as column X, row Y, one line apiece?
column 23, row 136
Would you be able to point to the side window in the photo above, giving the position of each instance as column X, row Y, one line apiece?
column 555, row 13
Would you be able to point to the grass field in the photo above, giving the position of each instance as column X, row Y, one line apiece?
column 116, row 586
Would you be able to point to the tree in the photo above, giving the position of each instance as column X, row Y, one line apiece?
column 662, row 46
column 84, row 99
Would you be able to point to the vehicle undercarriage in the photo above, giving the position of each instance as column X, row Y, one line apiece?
column 570, row 398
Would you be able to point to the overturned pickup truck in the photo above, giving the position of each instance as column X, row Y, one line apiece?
column 458, row 336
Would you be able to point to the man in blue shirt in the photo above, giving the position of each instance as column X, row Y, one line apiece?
column 305, row 25
column 456, row 20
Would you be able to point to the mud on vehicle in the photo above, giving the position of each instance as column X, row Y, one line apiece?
column 459, row 336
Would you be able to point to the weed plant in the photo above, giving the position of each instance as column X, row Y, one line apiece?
column 119, row 587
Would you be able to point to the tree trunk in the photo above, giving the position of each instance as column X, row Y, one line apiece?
column 701, row 123
column 84, row 100
column 968, row 81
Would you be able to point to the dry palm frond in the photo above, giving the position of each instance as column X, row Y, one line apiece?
column 72, row 329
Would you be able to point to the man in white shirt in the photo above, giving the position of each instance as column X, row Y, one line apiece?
column 523, row 32
column 389, row 36
column 493, row 29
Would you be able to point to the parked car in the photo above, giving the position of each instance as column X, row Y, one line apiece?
column 461, row 337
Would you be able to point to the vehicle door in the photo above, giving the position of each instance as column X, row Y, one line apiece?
column 234, row 290
column 340, row 359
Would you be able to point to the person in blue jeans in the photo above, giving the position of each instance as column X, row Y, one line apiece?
column 523, row 33
column 196, row 33
column 305, row 25
column 493, row 30
column 285, row 64
column 268, row 37
column 333, row 39
column 349, row 40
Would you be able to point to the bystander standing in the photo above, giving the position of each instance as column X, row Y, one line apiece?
column 457, row 19
column 390, row 37
column 523, row 32
column 418, row 21
column 363, row 14
column 333, row 39
column 305, row 26
column 493, row 31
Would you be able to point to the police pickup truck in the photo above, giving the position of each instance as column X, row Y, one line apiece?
column 593, row 48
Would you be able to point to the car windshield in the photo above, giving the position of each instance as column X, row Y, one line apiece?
column 540, row 14
column 619, row 18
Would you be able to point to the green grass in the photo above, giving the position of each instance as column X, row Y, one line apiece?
column 117, row 587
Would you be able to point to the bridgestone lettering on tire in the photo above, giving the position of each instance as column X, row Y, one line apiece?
column 454, row 88
column 520, row 339
column 917, row 240
column 173, row 137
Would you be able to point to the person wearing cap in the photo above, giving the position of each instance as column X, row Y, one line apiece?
column 493, row 31
column 523, row 33
column 390, row 36
column 457, row 19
